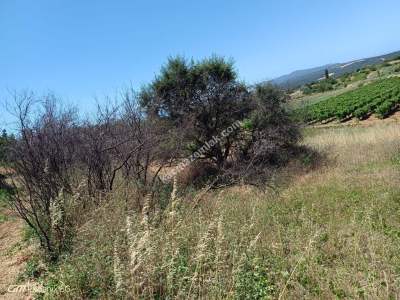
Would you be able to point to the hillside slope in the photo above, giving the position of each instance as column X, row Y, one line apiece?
column 301, row 77
column 380, row 98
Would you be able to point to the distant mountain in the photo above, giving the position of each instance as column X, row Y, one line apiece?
column 301, row 77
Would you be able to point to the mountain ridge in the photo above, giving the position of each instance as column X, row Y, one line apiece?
column 300, row 77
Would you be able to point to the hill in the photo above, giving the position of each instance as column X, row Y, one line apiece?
column 301, row 77
column 380, row 97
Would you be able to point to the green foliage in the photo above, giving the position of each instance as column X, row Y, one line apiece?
column 307, row 90
column 3, row 218
column 327, row 84
column 33, row 269
column 396, row 159
column 247, row 124
column 3, row 204
column 384, row 109
column 359, row 76
column 269, row 134
column 81, row 275
column 395, row 58
column 3, row 197
column 29, row 234
column 201, row 99
column 252, row 280
column 5, row 140
column 380, row 97
column 326, row 74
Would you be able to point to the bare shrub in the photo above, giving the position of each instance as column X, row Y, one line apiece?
column 55, row 152
column 43, row 157
column 102, row 148
column 155, row 142
column 124, row 143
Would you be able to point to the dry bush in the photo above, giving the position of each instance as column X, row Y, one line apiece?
column 64, row 165
column 155, row 142
column 44, row 158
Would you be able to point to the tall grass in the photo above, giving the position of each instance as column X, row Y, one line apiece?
column 333, row 232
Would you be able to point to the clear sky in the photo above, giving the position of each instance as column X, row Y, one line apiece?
column 85, row 48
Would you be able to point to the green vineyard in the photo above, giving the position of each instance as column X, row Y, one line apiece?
column 380, row 98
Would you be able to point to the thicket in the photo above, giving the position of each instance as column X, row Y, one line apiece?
column 204, row 99
column 69, row 170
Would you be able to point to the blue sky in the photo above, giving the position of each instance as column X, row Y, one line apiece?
column 82, row 49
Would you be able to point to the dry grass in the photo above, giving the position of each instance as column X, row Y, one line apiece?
column 356, row 145
column 331, row 233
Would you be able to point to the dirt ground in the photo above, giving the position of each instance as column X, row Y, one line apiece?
column 12, row 257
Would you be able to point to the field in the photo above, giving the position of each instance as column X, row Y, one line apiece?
column 330, row 231
column 299, row 102
column 380, row 98
column 323, row 226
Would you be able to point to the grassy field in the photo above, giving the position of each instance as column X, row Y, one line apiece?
column 331, row 231
column 302, row 101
